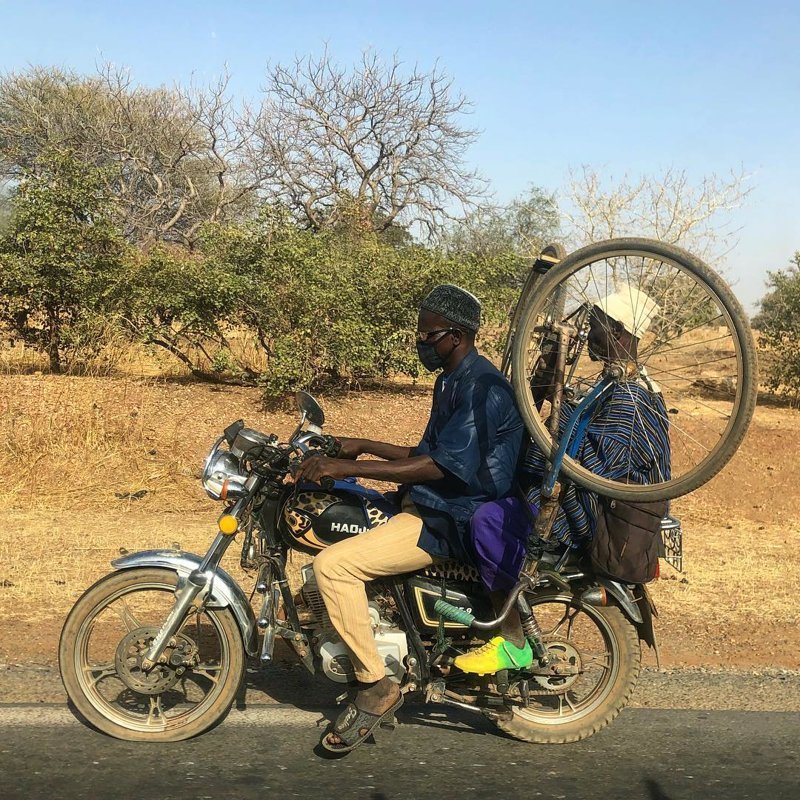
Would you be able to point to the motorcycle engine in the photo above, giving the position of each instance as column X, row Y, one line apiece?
column 336, row 663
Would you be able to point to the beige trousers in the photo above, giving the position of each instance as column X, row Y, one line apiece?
column 344, row 568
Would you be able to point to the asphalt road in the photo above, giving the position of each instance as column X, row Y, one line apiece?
column 264, row 752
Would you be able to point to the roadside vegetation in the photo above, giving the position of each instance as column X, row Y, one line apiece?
column 95, row 466
column 284, row 242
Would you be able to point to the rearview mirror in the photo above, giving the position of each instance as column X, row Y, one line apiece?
column 310, row 407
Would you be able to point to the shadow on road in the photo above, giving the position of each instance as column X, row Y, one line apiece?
column 287, row 681
column 655, row 792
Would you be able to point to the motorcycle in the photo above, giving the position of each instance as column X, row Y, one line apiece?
column 157, row 649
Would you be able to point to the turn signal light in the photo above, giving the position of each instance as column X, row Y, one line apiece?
column 228, row 524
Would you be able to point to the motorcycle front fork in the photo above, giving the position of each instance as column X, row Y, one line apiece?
column 197, row 586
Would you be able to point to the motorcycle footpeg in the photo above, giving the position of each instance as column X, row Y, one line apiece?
column 501, row 679
column 555, row 579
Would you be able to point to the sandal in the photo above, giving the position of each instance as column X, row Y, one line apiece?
column 350, row 724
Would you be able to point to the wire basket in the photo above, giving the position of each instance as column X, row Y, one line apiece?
column 672, row 542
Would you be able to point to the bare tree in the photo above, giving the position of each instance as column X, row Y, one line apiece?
column 520, row 228
column 665, row 206
column 386, row 141
column 174, row 157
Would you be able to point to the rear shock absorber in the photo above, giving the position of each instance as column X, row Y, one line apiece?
column 531, row 628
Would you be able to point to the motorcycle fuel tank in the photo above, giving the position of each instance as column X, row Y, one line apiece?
column 315, row 519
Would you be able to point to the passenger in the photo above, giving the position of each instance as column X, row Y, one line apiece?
column 627, row 440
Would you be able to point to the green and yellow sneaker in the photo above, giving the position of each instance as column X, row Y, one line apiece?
column 496, row 654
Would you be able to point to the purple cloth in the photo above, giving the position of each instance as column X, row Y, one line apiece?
column 500, row 531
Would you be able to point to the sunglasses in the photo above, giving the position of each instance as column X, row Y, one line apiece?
column 425, row 336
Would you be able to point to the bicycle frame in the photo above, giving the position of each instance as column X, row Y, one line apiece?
column 577, row 423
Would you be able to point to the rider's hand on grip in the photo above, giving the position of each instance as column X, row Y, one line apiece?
column 348, row 448
column 333, row 447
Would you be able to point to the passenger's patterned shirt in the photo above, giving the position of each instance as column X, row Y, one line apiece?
column 627, row 439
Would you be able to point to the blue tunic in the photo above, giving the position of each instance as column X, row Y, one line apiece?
column 474, row 435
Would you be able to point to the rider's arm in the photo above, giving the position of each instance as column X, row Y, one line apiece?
column 352, row 448
column 413, row 469
column 416, row 469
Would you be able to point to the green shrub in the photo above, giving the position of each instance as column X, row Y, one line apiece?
column 61, row 261
column 779, row 324
column 181, row 301
column 333, row 306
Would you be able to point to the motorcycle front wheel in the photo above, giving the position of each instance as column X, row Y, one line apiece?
column 103, row 642
column 596, row 655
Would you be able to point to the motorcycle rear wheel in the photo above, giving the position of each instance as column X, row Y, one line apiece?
column 545, row 720
column 170, row 715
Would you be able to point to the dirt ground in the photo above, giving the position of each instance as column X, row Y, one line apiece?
column 71, row 445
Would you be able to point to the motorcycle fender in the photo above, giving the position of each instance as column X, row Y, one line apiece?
column 225, row 592
column 623, row 598
column 647, row 632
column 639, row 607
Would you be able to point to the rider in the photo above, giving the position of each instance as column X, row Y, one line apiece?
column 627, row 438
column 467, row 456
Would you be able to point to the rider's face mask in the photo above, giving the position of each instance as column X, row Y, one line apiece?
column 427, row 350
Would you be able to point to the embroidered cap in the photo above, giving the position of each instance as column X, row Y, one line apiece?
column 456, row 305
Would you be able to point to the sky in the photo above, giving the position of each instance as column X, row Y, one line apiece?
column 627, row 87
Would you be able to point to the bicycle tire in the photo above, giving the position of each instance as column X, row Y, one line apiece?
column 746, row 390
column 530, row 284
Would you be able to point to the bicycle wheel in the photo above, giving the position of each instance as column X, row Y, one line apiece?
column 695, row 353
column 552, row 251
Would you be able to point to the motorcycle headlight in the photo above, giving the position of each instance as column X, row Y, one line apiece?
column 223, row 478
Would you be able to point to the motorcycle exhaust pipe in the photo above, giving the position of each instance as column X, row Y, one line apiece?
column 595, row 596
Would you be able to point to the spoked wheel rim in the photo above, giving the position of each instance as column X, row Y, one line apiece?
column 583, row 639
column 170, row 700
column 697, row 352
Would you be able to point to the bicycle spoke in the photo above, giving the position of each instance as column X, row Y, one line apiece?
column 686, row 434
column 695, row 364
column 704, row 343
column 654, row 347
